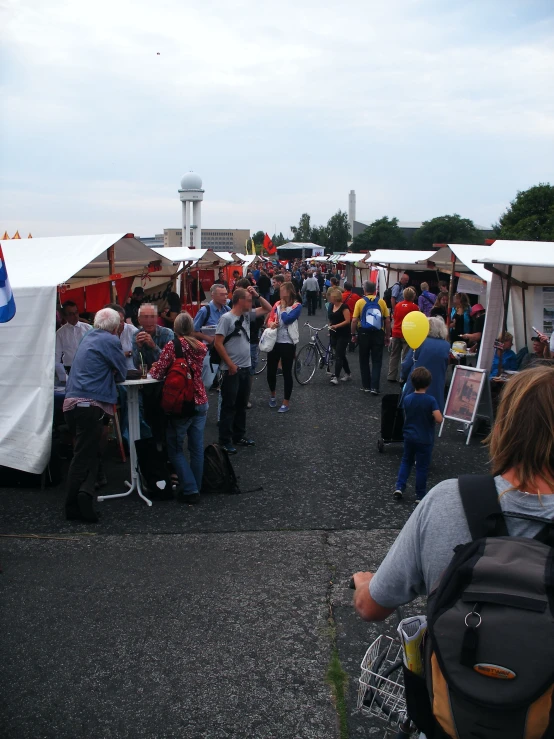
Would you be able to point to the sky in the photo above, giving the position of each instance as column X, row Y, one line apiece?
column 423, row 107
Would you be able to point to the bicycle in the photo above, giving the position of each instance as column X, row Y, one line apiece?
column 381, row 691
column 311, row 356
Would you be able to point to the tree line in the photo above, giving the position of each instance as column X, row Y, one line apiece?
column 530, row 217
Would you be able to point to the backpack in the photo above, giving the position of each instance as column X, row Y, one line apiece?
column 387, row 295
column 489, row 646
column 178, row 389
column 219, row 475
column 372, row 315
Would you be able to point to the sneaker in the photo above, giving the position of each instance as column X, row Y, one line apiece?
column 346, row 378
column 273, row 403
column 373, row 391
column 365, row 390
column 248, row 406
column 188, row 498
column 283, row 409
column 334, row 381
column 245, row 442
column 328, row 371
column 279, row 372
column 397, row 495
column 229, row 448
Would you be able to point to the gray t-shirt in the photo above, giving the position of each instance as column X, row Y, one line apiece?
column 238, row 348
column 396, row 291
column 426, row 544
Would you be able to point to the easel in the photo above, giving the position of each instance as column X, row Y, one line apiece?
column 482, row 403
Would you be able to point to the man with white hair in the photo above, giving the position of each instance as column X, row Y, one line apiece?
column 150, row 339
column 91, row 393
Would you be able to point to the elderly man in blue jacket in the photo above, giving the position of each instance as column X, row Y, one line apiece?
column 91, row 393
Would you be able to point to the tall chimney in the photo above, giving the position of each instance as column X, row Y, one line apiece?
column 351, row 212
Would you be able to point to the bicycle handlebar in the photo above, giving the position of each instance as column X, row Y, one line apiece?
column 314, row 328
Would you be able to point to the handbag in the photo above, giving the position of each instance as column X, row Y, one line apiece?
column 268, row 339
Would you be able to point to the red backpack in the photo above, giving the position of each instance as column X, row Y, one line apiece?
column 178, row 389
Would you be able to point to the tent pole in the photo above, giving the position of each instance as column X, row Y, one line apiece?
column 505, row 318
column 524, row 315
column 451, row 288
column 111, row 267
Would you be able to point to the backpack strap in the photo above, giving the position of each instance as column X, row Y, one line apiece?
column 545, row 535
column 481, row 507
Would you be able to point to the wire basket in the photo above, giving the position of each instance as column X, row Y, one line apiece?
column 381, row 684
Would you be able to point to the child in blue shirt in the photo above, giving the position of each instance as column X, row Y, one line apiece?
column 421, row 413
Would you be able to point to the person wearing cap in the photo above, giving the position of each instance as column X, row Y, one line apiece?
column 132, row 307
column 503, row 346
column 541, row 351
column 477, row 315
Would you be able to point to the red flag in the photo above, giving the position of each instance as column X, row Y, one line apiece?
column 269, row 246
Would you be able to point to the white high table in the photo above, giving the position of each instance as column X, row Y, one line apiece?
column 133, row 387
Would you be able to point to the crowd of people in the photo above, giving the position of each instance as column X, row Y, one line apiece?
column 221, row 346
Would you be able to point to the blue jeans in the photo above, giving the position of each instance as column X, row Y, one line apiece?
column 421, row 455
column 190, row 475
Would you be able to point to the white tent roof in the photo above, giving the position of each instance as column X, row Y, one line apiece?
column 299, row 245
column 465, row 254
column 532, row 261
column 318, row 259
column 399, row 258
column 348, row 258
column 46, row 262
column 198, row 257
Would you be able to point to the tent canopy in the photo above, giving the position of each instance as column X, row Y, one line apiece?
column 351, row 258
column 197, row 257
column 532, row 262
column 47, row 262
column 298, row 246
column 465, row 254
column 398, row 258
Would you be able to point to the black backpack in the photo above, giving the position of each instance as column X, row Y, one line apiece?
column 219, row 475
column 387, row 295
column 489, row 647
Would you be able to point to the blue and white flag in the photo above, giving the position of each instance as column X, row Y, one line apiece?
column 7, row 303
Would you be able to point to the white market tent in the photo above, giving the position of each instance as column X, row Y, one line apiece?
column 523, row 280
column 201, row 258
column 398, row 260
column 458, row 258
column 36, row 267
column 349, row 258
column 301, row 246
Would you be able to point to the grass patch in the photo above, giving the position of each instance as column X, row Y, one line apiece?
column 338, row 679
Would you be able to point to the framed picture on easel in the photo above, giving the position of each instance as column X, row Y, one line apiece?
column 468, row 398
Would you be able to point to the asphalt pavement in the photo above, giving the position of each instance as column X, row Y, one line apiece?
column 219, row 620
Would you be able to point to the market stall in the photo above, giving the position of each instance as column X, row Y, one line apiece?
column 521, row 293
column 355, row 270
column 39, row 269
column 199, row 270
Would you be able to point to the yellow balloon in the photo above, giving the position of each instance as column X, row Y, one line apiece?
column 415, row 328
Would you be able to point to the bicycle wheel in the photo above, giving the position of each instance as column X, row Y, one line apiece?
column 305, row 364
column 330, row 365
column 262, row 362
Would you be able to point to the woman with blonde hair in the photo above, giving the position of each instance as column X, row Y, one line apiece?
column 339, row 332
column 284, row 317
column 433, row 354
column 460, row 317
column 189, row 474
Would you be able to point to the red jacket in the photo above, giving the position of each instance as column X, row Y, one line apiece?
column 350, row 299
column 400, row 310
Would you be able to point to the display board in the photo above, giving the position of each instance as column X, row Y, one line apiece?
column 468, row 397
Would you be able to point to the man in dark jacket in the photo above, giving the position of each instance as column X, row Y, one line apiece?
column 91, row 393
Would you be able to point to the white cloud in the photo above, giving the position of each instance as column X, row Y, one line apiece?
column 282, row 106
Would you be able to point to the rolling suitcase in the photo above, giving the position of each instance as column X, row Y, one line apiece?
column 392, row 421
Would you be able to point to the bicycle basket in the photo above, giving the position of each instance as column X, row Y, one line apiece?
column 381, row 684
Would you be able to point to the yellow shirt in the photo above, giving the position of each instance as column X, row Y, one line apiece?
column 360, row 306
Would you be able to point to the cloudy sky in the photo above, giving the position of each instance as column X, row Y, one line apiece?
column 424, row 107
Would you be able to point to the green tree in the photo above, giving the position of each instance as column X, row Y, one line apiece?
column 320, row 236
column 338, row 232
column 381, row 234
column 258, row 237
column 530, row 216
column 447, row 230
column 279, row 240
column 303, row 231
